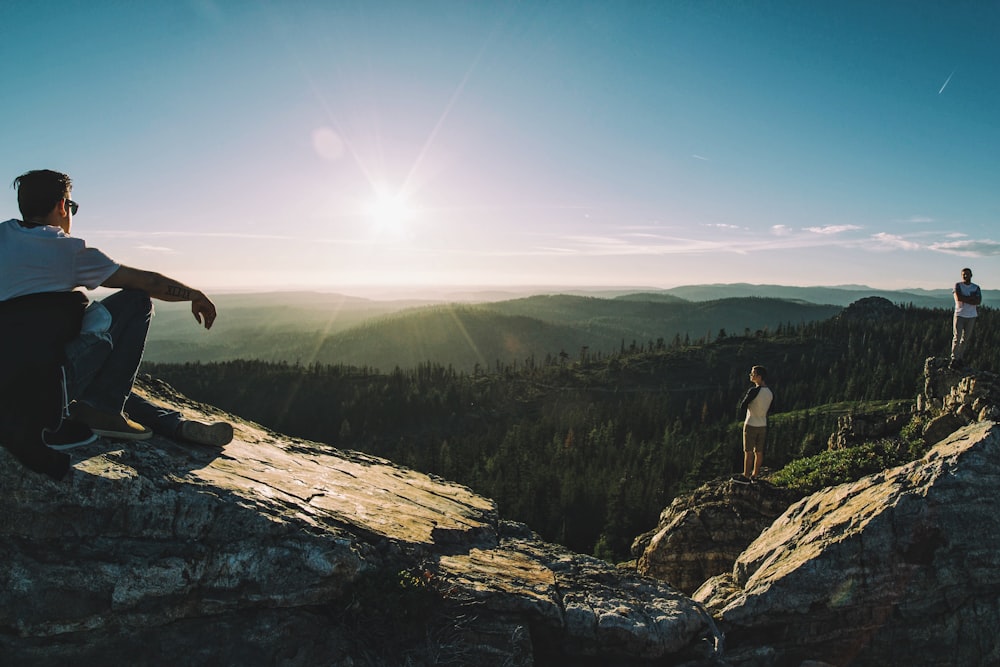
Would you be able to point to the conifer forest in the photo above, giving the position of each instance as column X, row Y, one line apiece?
column 587, row 449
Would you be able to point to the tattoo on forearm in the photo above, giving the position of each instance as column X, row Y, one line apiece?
column 178, row 291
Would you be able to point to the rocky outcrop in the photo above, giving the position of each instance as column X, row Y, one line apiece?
column 899, row 568
column 858, row 428
column 701, row 534
column 955, row 398
column 870, row 309
column 278, row 551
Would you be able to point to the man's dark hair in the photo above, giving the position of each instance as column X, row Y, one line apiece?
column 39, row 191
column 761, row 371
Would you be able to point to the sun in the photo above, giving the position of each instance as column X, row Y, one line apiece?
column 389, row 214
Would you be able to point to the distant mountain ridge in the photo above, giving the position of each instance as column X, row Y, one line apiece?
column 483, row 328
column 351, row 331
column 842, row 295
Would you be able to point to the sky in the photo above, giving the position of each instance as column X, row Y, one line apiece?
column 338, row 145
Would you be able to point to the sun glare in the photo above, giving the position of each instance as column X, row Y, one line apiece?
column 389, row 214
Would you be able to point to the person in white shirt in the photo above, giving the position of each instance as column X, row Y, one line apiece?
column 967, row 296
column 39, row 255
column 756, row 402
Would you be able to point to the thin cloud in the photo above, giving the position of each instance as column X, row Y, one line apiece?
column 781, row 230
column 121, row 234
column 885, row 241
column 919, row 219
column 699, row 157
column 157, row 248
column 968, row 248
column 833, row 229
column 127, row 234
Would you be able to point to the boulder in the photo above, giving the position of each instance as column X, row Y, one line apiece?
column 701, row 534
column 279, row 551
column 900, row 567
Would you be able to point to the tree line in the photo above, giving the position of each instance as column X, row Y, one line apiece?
column 588, row 449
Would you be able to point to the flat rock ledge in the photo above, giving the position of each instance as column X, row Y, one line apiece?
column 278, row 551
column 899, row 568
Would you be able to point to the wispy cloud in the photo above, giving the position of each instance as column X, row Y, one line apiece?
column 885, row 241
column 699, row 157
column 156, row 248
column 128, row 234
column 781, row 230
column 968, row 248
column 918, row 219
column 833, row 229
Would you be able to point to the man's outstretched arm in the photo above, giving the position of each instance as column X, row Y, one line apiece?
column 159, row 286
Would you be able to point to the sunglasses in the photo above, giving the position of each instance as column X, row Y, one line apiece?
column 73, row 206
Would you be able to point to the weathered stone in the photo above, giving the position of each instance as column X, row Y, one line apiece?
column 941, row 427
column 855, row 429
column 700, row 534
column 265, row 553
column 901, row 567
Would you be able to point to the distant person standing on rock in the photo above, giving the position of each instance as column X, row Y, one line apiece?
column 94, row 348
column 756, row 402
column 967, row 297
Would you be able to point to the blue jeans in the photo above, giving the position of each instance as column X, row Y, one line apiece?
column 101, row 366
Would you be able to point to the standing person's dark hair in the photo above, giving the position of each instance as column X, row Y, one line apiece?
column 39, row 191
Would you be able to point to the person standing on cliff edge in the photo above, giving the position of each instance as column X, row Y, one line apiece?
column 756, row 402
column 967, row 296
column 101, row 343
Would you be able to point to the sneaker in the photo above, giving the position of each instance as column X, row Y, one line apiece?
column 218, row 434
column 70, row 434
column 110, row 425
column 741, row 479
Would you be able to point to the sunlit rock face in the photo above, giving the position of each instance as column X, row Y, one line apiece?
column 901, row 567
column 279, row 551
column 702, row 533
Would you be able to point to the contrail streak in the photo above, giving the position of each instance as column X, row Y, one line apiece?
column 945, row 84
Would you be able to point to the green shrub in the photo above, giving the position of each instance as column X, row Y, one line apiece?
column 839, row 466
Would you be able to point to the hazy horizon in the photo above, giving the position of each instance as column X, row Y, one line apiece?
column 500, row 292
column 331, row 145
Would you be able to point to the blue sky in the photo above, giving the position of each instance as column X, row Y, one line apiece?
column 333, row 145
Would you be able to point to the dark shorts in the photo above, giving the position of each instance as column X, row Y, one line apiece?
column 753, row 438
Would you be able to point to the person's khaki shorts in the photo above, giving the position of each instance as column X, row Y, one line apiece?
column 753, row 438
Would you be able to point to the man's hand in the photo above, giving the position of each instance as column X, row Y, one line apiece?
column 161, row 287
column 203, row 309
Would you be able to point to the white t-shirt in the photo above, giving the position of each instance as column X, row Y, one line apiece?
column 758, row 407
column 963, row 309
column 44, row 259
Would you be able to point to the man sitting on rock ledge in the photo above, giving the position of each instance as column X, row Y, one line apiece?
column 41, row 265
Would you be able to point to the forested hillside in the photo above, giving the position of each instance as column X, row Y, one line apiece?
column 588, row 450
column 465, row 336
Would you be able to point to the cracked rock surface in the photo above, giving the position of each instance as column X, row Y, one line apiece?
column 166, row 553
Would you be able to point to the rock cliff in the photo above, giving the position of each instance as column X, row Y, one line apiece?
column 277, row 551
column 899, row 568
column 702, row 533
